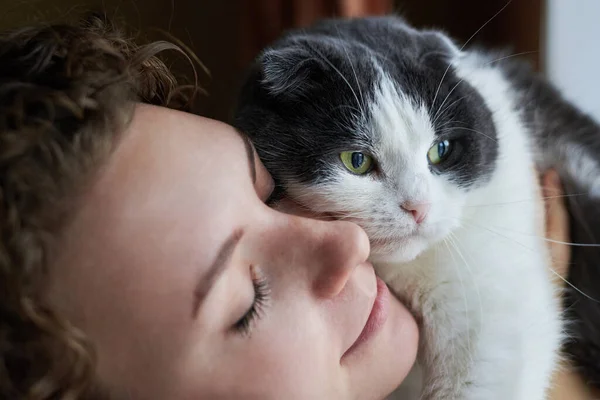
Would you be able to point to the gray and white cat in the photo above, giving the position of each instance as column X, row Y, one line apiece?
column 432, row 150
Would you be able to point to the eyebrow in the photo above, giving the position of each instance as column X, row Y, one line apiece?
column 250, row 154
column 207, row 280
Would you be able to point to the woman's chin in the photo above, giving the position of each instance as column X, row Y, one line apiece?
column 403, row 342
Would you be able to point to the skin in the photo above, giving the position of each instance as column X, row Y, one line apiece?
column 568, row 384
column 133, row 266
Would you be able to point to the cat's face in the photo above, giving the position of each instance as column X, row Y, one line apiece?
column 354, row 120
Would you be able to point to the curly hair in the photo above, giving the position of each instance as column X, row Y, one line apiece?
column 66, row 92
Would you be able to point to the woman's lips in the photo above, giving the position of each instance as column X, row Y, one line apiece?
column 377, row 317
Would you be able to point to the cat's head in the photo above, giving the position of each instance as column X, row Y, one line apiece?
column 366, row 120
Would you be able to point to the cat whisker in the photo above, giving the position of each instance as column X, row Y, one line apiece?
column 548, row 239
column 461, row 49
column 324, row 58
column 471, row 130
column 352, row 213
column 524, row 200
column 485, row 24
column 466, row 302
column 529, row 249
column 437, row 114
column 581, row 292
column 445, row 124
column 570, row 243
column 347, row 106
column 347, row 216
column 439, row 87
column 512, row 55
column 441, row 113
column 353, row 71
column 339, row 215
column 454, row 241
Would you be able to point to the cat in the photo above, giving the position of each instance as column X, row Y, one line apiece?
column 432, row 150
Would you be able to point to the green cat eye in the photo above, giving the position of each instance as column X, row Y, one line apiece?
column 356, row 162
column 438, row 152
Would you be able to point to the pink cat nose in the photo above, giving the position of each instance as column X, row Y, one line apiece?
column 418, row 210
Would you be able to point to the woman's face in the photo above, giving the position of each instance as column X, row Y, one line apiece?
column 190, row 287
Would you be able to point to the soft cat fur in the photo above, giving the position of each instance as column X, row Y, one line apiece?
column 476, row 270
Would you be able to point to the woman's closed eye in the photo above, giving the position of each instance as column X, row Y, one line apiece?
column 246, row 323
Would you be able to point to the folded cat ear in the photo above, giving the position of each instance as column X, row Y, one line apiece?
column 292, row 71
column 438, row 39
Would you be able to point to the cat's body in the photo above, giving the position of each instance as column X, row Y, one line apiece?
column 460, row 240
column 486, row 292
column 491, row 325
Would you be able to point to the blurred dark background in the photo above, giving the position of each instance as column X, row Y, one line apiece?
column 227, row 34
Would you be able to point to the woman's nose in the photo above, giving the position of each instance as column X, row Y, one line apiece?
column 342, row 248
column 329, row 251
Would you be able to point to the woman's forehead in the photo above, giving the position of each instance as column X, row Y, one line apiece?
column 168, row 150
column 155, row 185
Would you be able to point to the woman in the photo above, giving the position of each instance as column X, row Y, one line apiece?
column 139, row 258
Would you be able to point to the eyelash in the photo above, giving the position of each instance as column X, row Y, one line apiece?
column 261, row 296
